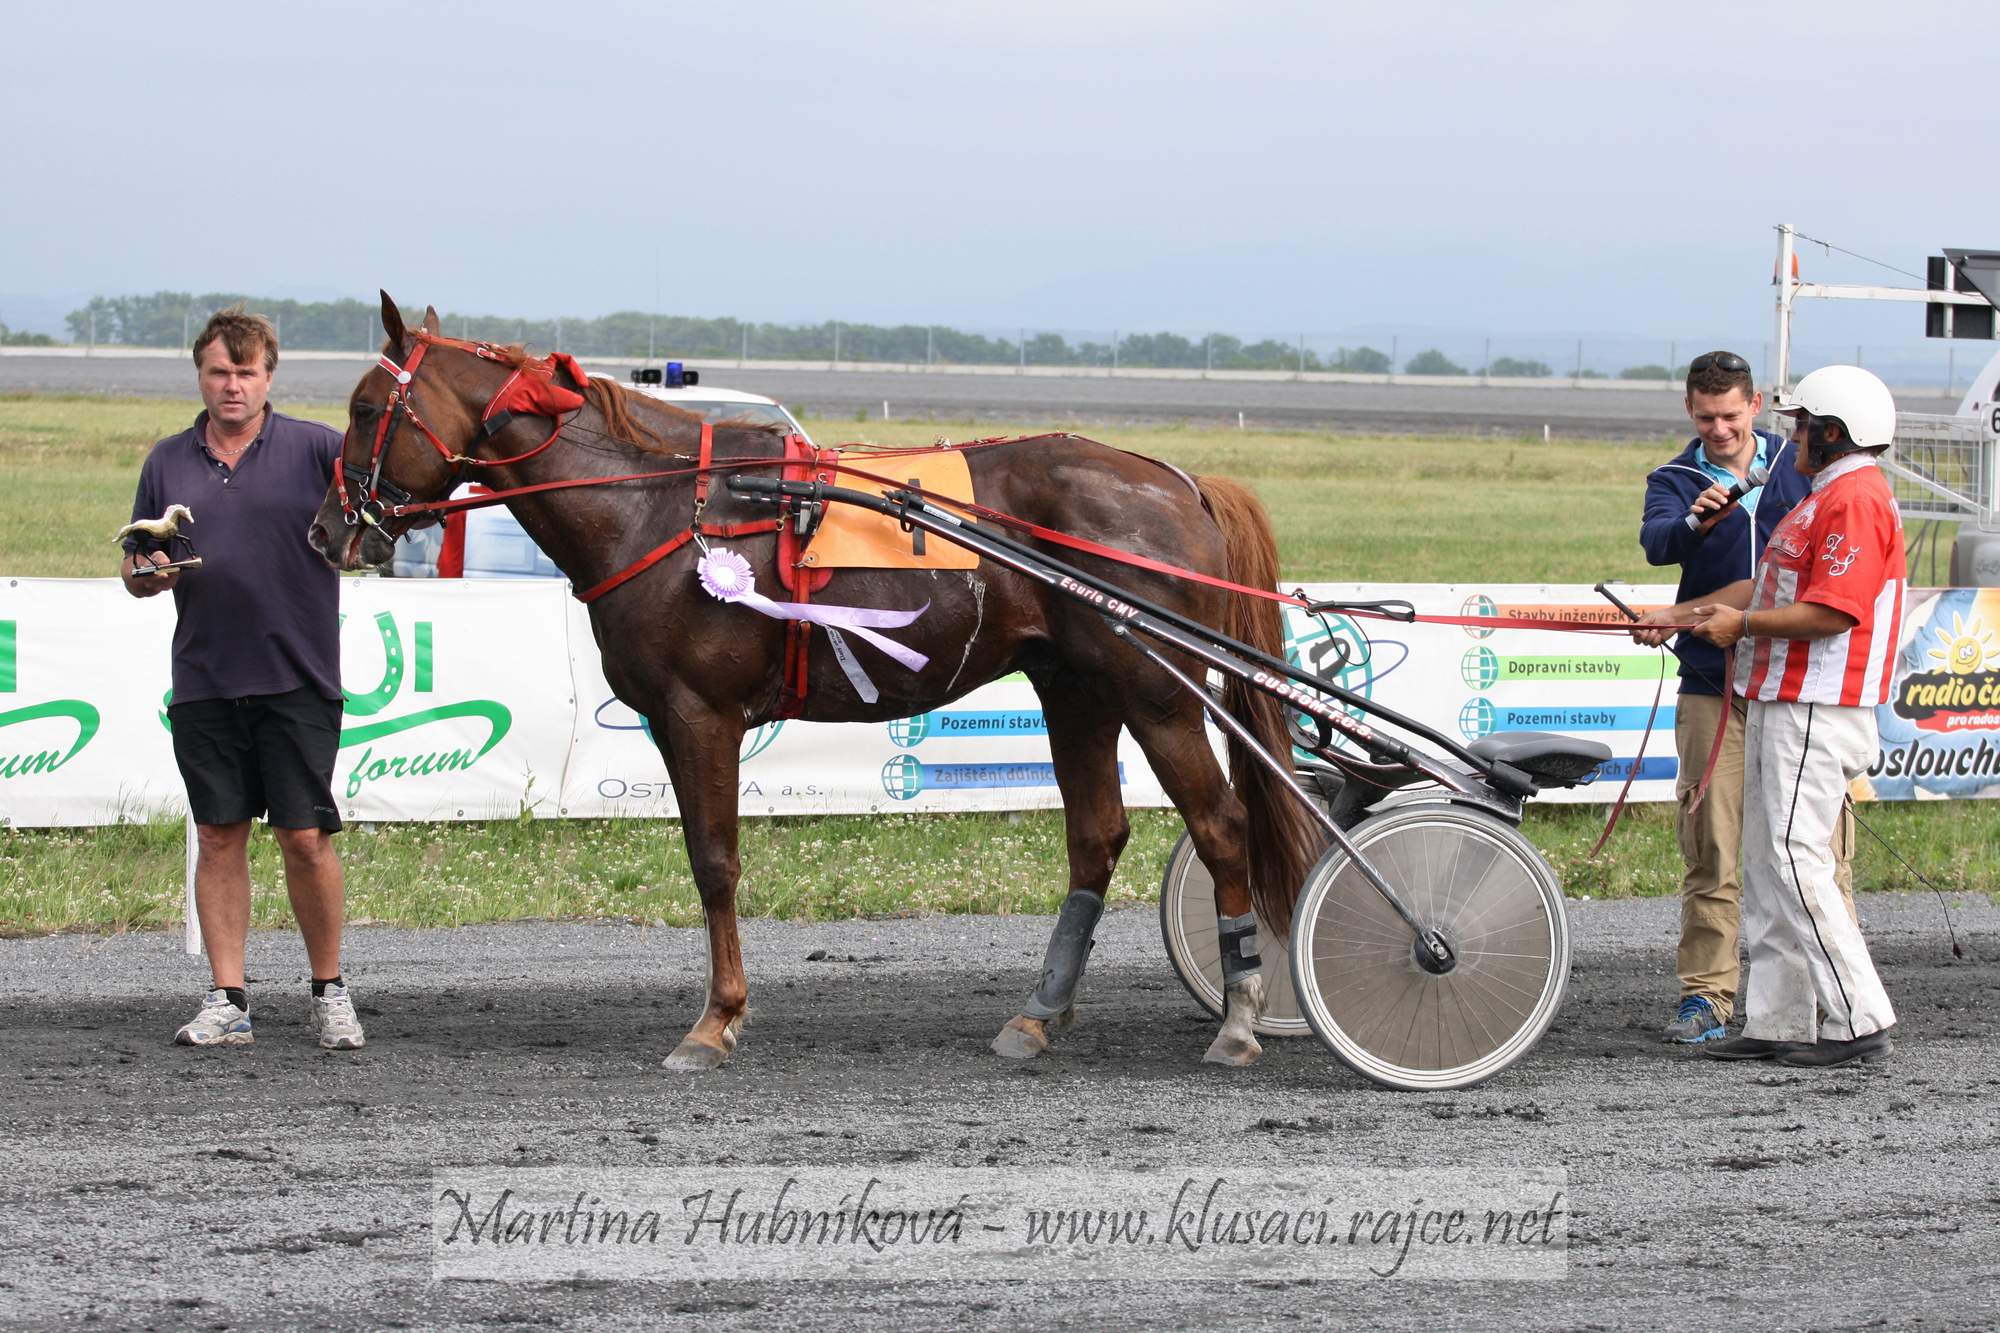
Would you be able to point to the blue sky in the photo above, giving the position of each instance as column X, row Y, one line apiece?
column 1545, row 168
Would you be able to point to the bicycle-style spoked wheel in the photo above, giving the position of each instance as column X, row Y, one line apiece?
column 1395, row 1019
column 1187, row 924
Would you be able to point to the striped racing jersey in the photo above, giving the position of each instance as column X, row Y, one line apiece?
column 1841, row 547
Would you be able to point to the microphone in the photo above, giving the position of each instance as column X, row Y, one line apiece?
column 1757, row 477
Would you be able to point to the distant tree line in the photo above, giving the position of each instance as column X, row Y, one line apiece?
column 173, row 319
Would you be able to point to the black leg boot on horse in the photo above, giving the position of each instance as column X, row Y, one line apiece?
column 1254, row 838
column 1053, row 1005
column 1243, row 985
column 1083, row 743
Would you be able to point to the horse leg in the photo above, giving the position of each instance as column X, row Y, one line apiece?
column 700, row 746
column 1083, row 741
column 1177, row 748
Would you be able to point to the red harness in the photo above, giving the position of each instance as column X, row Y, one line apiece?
column 530, row 391
column 696, row 529
column 800, row 462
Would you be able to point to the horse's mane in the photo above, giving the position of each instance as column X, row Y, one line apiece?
column 615, row 403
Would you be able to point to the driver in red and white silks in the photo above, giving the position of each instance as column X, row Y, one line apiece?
column 1815, row 642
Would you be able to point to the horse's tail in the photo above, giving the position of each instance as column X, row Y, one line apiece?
column 1283, row 839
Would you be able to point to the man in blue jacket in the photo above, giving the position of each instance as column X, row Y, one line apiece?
column 1722, row 548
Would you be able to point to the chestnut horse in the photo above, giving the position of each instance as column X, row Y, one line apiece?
column 704, row 671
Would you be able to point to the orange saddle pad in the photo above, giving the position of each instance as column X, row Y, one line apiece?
column 850, row 537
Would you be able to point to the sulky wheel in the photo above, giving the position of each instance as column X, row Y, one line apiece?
column 1187, row 923
column 1356, row 973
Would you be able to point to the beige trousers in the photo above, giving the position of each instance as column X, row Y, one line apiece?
column 1711, row 841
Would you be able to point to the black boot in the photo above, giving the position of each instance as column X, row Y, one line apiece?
column 1832, row 1054
column 1751, row 1048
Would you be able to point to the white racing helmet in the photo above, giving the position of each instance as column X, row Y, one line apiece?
column 1857, row 397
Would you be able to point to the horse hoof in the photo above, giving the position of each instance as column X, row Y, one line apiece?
column 692, row 1057
column 1021, row 1039
column 1235, row 1051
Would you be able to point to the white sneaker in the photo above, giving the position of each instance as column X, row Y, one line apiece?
column 219, row 1023
column 334, row 1016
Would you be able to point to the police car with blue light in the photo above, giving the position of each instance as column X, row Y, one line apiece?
column 490, row 543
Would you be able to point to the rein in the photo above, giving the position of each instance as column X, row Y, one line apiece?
column 401, row 404
column 495, row 418
column 705, row 469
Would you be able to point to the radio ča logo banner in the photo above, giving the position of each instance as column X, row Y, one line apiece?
column 1951, row 665
column 1938, row 730
column 38, row 738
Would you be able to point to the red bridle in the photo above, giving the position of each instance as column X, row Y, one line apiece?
column 402, row 403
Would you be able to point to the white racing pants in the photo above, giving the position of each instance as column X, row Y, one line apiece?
column 1810, row 974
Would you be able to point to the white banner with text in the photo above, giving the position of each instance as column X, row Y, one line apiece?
column 482, row 700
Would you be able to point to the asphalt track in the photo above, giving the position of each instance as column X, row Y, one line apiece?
column 149, row 1185
column 1361, row 408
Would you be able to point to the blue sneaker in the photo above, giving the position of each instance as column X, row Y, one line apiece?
column 1695, row 1023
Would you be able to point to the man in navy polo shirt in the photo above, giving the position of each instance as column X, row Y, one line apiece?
column 1721, row 548
column 256, row 703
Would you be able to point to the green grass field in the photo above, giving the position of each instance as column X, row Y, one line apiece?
column 1374, row 509
column 1418, row 510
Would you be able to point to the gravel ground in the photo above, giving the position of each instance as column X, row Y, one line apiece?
column 1469, row 409
column 281, row 1185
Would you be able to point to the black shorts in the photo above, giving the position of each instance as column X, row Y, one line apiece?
column 269, row 754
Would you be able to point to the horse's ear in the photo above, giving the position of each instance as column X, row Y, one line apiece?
column 392, row 321
column 431, row 319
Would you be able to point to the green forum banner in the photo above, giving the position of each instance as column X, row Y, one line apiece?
column 458, row 701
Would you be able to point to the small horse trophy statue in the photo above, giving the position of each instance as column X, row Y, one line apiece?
column 165, row 532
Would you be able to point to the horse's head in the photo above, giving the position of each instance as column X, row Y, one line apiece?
column 400, row 449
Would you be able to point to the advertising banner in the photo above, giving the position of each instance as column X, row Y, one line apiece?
column 459, row 703
column 1940, row 730
column 1477, row 680
column 83, row 683
column 986, row 751
column 487, row 699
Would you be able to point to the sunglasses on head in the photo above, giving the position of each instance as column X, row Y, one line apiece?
column 1724, row 361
